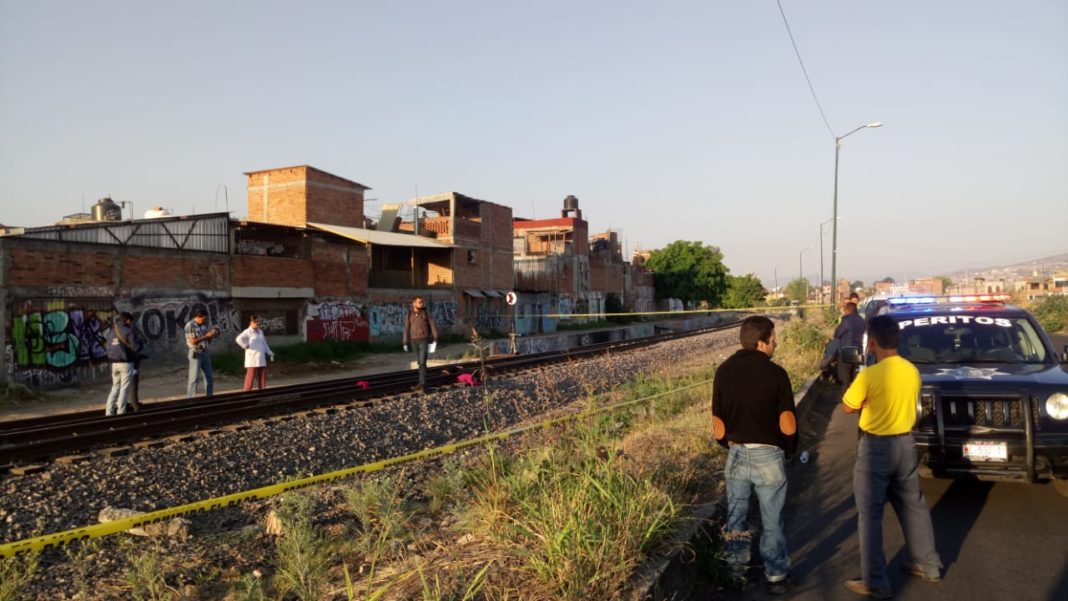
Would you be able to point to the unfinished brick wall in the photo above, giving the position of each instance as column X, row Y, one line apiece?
column 296, row 195
column 252, row 271
column 49, row 264
column 340, row 270
column 169, row 270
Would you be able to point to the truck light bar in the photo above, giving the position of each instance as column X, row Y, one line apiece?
column 933, row 300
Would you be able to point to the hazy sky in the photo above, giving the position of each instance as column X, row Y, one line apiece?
column 668, row 120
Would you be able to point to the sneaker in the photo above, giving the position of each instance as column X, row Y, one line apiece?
column 916, row 570
column 859, row 587
column 781, row 587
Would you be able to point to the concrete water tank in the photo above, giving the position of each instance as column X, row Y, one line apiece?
column 105, row 209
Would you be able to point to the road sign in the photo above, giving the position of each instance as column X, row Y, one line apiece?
column 511, row 298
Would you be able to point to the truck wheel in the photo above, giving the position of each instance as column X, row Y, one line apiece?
column 1061, row 485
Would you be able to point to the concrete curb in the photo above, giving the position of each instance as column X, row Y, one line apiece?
column 648, row 574
column 801, row 394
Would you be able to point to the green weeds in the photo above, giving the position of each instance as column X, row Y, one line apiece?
column 15, row 576
column 145, row 576
column 303, row 552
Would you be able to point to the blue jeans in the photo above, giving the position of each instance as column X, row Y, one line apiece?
column 762, row 469
column 886, row 469
column 200, row 362
column 121, row 377
column 420, row 347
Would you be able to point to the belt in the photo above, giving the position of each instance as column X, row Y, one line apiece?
column 752, row 445
column 866, row 433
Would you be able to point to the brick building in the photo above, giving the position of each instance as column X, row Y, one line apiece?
column 303, row 261
column 563, row 270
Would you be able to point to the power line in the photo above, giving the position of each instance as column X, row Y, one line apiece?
column 797, row 52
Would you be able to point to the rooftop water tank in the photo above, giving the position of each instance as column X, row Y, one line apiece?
column 105, row 209
column 157, row 212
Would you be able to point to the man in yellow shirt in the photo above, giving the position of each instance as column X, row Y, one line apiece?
column 887, row 465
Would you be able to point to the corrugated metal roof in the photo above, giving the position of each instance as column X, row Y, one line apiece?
column 206, row 233
column 381, row 238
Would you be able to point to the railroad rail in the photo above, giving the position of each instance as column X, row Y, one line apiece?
column 44, row 438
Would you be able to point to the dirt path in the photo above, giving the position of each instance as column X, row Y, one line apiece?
column 170, row 383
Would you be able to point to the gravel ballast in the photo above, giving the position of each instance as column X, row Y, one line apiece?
column 66, row 496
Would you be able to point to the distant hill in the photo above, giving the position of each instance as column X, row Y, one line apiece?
column 1043, row 265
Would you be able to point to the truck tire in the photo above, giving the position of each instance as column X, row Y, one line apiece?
column 1061, row 485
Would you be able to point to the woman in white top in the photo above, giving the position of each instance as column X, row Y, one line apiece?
column 254, row 342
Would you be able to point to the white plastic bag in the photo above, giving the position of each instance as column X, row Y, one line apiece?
column 433, row 347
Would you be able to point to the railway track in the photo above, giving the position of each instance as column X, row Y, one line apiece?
column 44, row 438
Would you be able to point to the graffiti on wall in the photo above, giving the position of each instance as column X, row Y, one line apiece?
column 162, row 321
column 55, row 344
column 359, row 322
column 564, row 307
column 342, row 320
column 388, row 319
column 487, row 318
column 59, row 338
column 273, row 325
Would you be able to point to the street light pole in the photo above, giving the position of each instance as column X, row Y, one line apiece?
column 821, row 256
column 834, row 217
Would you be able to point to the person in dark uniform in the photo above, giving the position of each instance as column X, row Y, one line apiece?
column 849, row 333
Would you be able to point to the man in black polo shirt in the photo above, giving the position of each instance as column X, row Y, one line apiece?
column 753, row 414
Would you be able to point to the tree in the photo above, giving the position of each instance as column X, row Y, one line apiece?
column 798, row 289
column 744, row 291
column 856, row 285
column 689, row 271
column 887, row 280
column 1052, row 313
column 946, row 281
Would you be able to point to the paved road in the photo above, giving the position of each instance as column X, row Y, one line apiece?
column 998, row 540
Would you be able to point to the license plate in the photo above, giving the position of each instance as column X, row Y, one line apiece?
column 986, row 451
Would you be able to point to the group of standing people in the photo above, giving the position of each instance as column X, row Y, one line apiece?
column 754, row 417
column 125, row 346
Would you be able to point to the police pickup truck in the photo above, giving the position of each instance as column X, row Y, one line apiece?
column 994, row 401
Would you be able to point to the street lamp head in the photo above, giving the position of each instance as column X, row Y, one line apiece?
column 875, row 124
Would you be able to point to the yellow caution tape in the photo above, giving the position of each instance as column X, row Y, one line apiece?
column 58, row 539
column 771, row 309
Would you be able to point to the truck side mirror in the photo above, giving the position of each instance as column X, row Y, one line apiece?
column 1064, row 355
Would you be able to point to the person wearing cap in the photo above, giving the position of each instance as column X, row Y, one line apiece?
column 886, row 467
column 197, row 338
column 754, row 416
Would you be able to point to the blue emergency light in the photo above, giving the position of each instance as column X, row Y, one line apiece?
column 931, row 300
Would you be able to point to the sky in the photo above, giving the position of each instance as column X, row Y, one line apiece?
column 668, row 120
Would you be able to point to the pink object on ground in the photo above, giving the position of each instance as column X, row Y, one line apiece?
column 467, row 379
column 364, row 384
